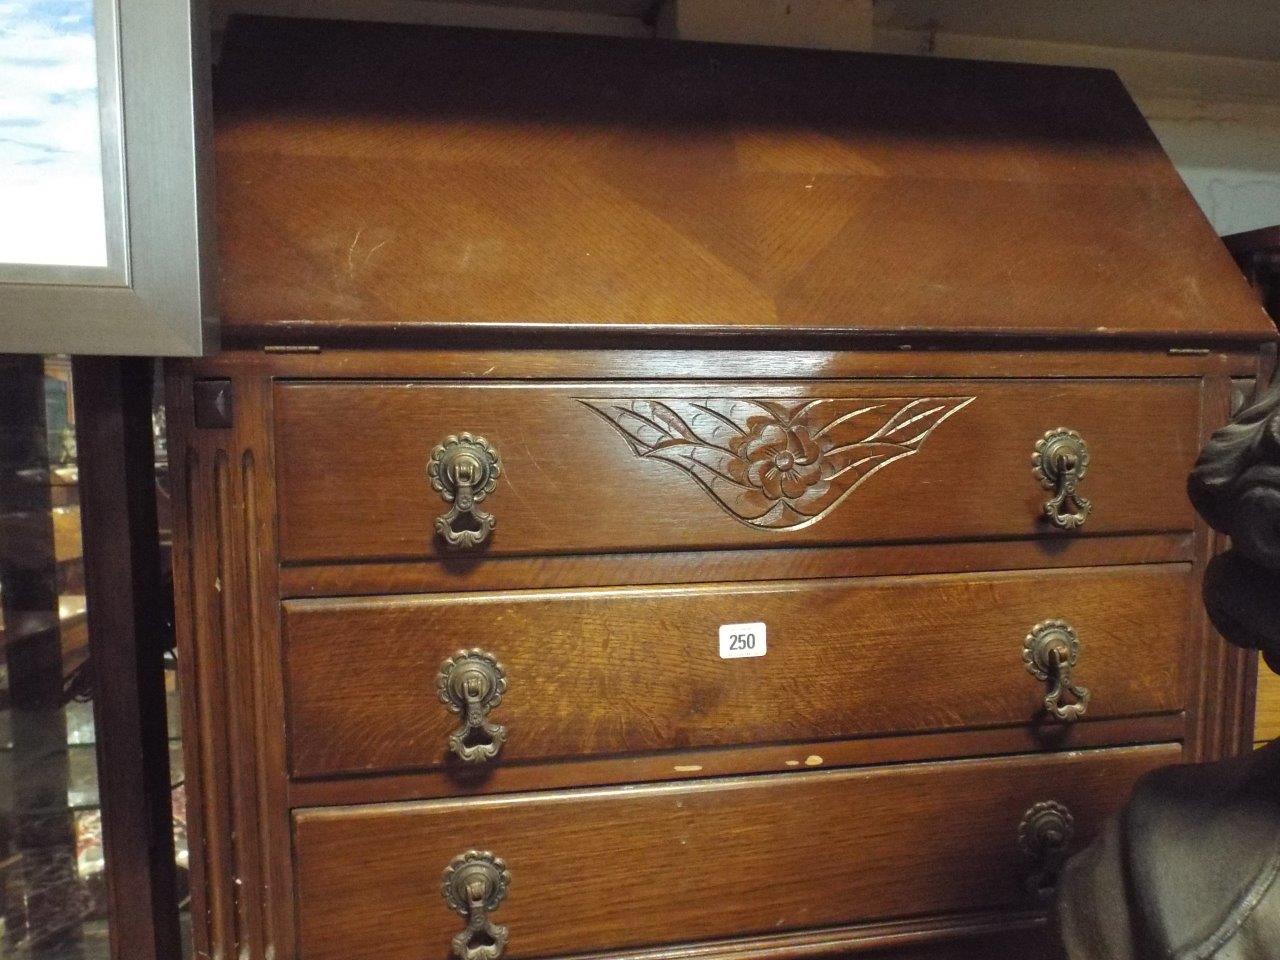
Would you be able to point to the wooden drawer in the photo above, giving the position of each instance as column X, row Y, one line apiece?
column 594, row 467
column 627, row 670
column 1024, row 942
column 612, row 869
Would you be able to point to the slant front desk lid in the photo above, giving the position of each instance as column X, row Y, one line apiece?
column 383, row 179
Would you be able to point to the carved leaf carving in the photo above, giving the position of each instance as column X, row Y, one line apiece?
column 777, row 463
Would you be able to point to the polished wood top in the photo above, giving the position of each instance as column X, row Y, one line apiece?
column 389, row 179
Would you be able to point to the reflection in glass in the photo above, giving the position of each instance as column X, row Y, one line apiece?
column 53, row 903
column 52, row 206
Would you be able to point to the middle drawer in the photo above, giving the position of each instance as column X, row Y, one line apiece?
column 377, row 685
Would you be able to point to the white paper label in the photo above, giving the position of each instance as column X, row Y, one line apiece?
column 743, row 640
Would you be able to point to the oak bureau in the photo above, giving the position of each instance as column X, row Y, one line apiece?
column 667, row 500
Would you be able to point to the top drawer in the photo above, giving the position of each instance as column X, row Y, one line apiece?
column 594, row 467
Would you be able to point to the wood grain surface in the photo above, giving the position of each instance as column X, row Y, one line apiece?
column 353, row 460
column 552, row 356
column 630, row 670
column 127, row 603
column 230, row 673
column 424, row 232
column 1025, row 936
column 704, row 762
column 378, row 177
column 628, row 867
column 229, row 520
column 445, row 575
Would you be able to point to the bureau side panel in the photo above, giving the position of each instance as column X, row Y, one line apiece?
column 1223, row 679
column 228, row 651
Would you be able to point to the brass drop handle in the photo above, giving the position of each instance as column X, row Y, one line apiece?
column 1050, row 654
column 475, row 883
column 1045, row 835
column 1060, row 462
column 471, row 683
column 464, row 469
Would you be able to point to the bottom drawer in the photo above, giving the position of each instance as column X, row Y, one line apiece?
column 1023, row 938
column 1039, row 943
column 629, row 867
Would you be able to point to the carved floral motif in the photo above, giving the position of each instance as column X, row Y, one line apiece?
column 777, row 463
column 782, row 461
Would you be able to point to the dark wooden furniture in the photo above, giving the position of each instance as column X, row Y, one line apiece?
column 128, row 637
column 887, row 371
